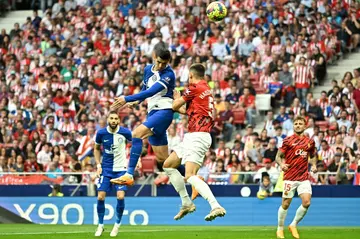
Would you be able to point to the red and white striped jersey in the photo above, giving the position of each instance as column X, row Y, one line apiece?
column 80, row 25
column 290, row 50
column 319, row 44
column 74, row 83
column 31, row 87
column 218, row 75
column 322, row 103
column 220, row 152
column 330, row 139
column 302, row 76
column 36, row 72
column 266, row 59
column 89, row 93
column 265, row 80
column 296, row 110
column 63, row 127
column 276, row 49
column 326, row 155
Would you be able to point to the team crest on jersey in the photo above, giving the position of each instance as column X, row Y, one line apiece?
column 120, row 140
column 187, row 91
column 167, row 79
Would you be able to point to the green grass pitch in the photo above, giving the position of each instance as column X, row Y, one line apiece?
column 20, row 231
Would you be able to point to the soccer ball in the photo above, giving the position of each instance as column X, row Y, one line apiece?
column 216, row 11
column 261, row 195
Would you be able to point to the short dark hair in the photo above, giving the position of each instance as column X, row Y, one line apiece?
column 112, row 112
column 162, row 51
column 198, row 70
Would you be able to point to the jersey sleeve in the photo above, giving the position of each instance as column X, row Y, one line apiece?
column 98, row 138
column 127, row 134
column 167, row 79
column 190, row 93
column 285, row 145
column 141, row 96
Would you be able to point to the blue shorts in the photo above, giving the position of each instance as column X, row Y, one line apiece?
column 104, row 184
column 158, row 121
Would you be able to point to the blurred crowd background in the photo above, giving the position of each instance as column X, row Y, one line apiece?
column 61, row 68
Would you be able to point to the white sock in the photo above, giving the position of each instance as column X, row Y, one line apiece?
column 117, row 224
column 101, row 225
column 178, row 182
column 300, row 214
column 204, row 191
column 281, row 217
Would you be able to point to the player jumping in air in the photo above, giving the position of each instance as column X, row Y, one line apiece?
column 191, row 152
column 293, row 159
column 158, row 87
column 113, row 165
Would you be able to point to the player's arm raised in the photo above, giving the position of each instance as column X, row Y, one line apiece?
column 141, row 96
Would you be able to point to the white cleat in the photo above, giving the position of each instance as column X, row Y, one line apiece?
column 216, row 212
column 184, row 210
column 99, row 230
column 115, row 230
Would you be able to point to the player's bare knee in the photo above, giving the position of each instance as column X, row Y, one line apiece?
column 169, row 164
column 101, row 197
column 306, row 203
column 161, row 158
column 137, row 134
column 285, row 205
column 120, row 197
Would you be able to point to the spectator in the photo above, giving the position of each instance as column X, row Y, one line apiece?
column 286, row 78
column 247, row 101
column 53, row 168
column 283, row 116
column 344, row 121
column 279, row 136
column 44, row 156
column 256, row 154
column 303, row 79
column 271, row 151
column 315, row 111
column 326, row 153
column 227, row 118
column 56, row 191
column 272, row 171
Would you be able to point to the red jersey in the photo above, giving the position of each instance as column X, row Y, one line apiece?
column 200, row 107
column 297, row 150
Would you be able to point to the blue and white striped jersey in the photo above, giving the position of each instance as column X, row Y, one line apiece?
column 113, row 148
column 164, row 98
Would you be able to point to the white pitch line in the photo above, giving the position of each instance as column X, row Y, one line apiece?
column 39, row 233
column 131, row 231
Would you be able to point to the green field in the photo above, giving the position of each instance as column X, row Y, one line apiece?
column 20, row 231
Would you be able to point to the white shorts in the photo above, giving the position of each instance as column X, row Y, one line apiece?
column 300, row 186
column 193, row 147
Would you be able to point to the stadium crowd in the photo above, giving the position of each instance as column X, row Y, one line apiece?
column 60, row 71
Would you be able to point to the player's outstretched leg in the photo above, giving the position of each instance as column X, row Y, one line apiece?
column 120, row 206
column 300, row 214
column 204, row 191
column 170, row 168
column 100, row 211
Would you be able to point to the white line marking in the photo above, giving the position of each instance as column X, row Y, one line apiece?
column 135, row 231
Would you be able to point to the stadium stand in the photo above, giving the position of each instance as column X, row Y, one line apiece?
column 60, row 70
